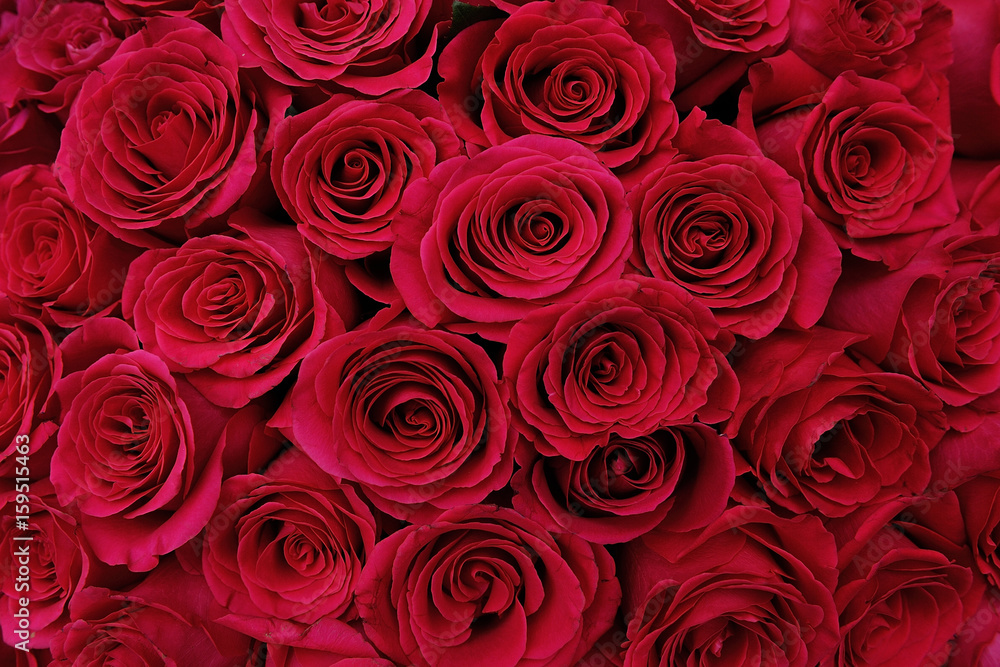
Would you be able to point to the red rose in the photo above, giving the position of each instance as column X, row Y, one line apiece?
column 486, row 586
column 873, row 164
column 288, row 543
column 566, row 69
column 632, row 355
column 979, row 499
column 870, row 37
column 715, row 41
column 31, row 364
column 750, row 589
column 489, row 239
column 631, row 485
column 824, row 432
column 237, row 313
column 340, row 169
column 165, row 620
column 59, row 559
column 138, row 450
column 417, row 417
column 55, row 46
column 899, row 604
column 373, row 46
column 729, row 226
column 59, row 264
column 165, row 136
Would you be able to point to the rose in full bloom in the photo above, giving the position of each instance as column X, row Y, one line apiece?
column 566, row 69
column 167, row 619
column 873, row 162
column 750, row 589
column 486, row 586
column 31, row 363
column 138, row 450
column 55, row 46
column 729, row 226
column 487, row 240
column 288, row 543
column 237, row 313
column 165, row 136
column 60, row 561
column 417, row 417
column 340, row 169
column 630, row 485
column 60, row 265
column 373, row 46
column 632, row 355
column 870, row 37
column 824, row 432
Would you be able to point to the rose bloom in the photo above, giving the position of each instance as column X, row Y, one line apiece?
column 340, row 169
column 484, row 585
column 729, row 226
column 899, row 604
column 138, row 450
column 827, row 433
column 872, row 163
column 237, row 313
column 165, row 136
column 61, row 562
column 565, row 69
column 629, row 486
column 487, row 240
column 632, row 355
column 31, row 363
column 167, row 619
column 870, row 37
column 715, row 41
column 55, row 46
column 417, row 417
column 288, row 543
column 60, row 265
column 373, row 46
column 750, row 589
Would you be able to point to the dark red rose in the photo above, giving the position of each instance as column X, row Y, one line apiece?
column 827, row 433
column 870, row 37
column 59, row 563
column 632, row 355
column 288, row 543
column 60, row 265
column 487, row 240
column 373, row 46
column 486, row 586
column 750, row 589
column 729, row 226
column 417, row 417
column 55, row 45
column 979, row 499
column 31, row 364
column 899, row 604
column 27, row 136
column 872, row 163
column 340, row 168
column 237, row 313
column 571, row 69
column 166, row 620
column 629, row 486
column 166, row 135
column 716, row 41
column 138, row 450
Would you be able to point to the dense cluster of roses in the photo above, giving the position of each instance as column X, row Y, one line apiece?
column 502, row 333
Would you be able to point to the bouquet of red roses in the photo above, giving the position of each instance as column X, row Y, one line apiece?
column 502, row 333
